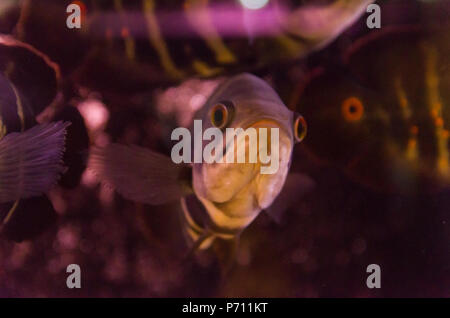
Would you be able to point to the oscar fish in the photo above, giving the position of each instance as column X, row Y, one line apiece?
column 383, row 116
column 32, row 155
column 129, row 45
column 219, row 200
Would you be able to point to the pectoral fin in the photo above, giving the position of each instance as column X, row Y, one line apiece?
column 31, row 162
column 140, row 174
column 295, row 187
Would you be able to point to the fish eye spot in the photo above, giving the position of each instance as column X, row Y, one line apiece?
column 414, row 130
column 352, row 109
column 300, row 128
column 124, row 33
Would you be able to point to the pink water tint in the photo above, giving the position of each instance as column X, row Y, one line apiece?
column 229, row 21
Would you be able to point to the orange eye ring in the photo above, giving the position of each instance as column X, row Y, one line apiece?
column 300, row 128
column 220, row 114
column 352, row 109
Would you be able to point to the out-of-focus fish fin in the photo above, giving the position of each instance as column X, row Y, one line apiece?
column 140, row 174
column 77, row 145
column 31, row 218
column 325, row 22
column 31, row 162
column 295, row 187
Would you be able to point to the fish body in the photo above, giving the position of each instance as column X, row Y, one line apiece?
column 20, row 141
column 383, row 116
column 31, row 154
column 158, row 42
column 235, row 193
column 219, row 199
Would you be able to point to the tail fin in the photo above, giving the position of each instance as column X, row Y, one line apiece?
column 30, row 162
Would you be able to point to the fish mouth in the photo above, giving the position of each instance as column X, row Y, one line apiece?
column 267, row 178
column 268, row 125
column 265, row 123
column 228, row 181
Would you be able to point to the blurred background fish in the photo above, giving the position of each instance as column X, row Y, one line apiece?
column 129, row 46
column 383, row 115
column 219, row 200
column 31, row 154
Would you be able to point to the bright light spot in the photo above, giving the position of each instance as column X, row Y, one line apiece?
column 254, row 4
column 94, row 113
column 197, row 101
column 89, row 178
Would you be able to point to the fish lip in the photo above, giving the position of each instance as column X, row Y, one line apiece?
column 262, row 123
column 267, row 121
column 252, row 124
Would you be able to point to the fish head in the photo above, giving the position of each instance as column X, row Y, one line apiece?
column 244, row 188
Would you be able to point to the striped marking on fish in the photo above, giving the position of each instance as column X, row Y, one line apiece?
column 225, row 39
column 411, row 152
column 125, row 33
column 192, row 229
column 199, row 16
column 157, row 40
column 19, row 106
column 435, row 106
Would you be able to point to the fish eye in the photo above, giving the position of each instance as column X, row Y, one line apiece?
column 352, row 109
column 221, row 114
column 300, row 128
